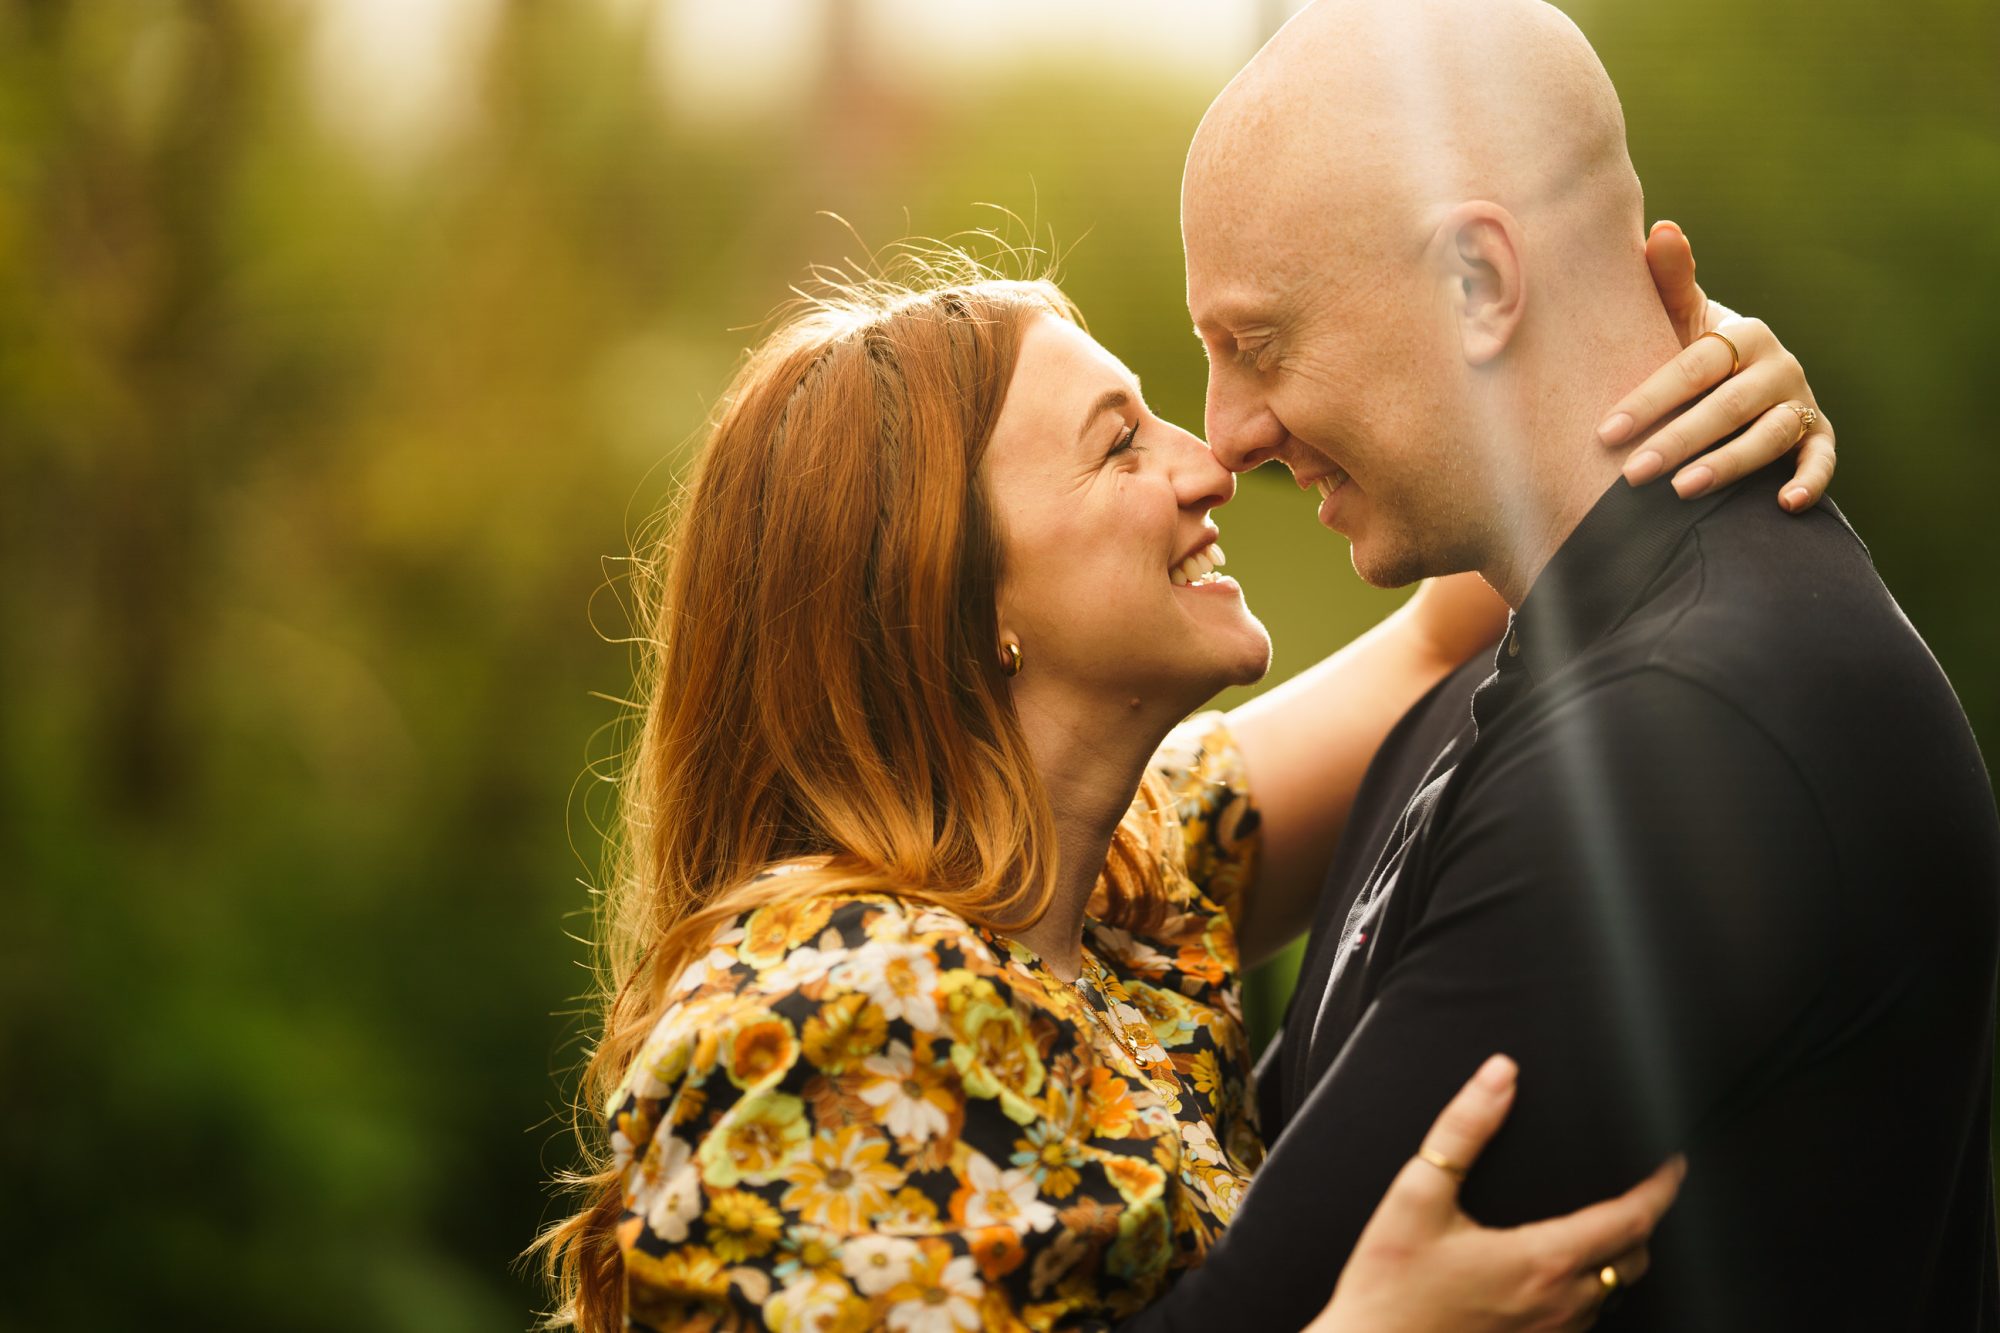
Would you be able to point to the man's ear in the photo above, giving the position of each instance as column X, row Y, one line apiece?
column 1477, row 249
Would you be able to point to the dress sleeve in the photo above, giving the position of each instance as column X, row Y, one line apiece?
column 862, row 1117
column 1208, row 788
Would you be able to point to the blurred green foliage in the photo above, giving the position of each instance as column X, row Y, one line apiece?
column 314, row 474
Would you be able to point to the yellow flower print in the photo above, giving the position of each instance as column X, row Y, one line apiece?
column 1171, row 1017
column 741, row 1226
column 686, row 1273
column 753, row 1140
column 911, row 1213
column 806, row 1248
column 1051, row 1156
column 761, row 1048
column 1144, row 1244
column 1204, row 1073
column 687, row 1105
column 847, row 1030
column 774, row 929
column 844, row 1182
column 666, row 1067
column 1137, row 1181
column 997, row 1058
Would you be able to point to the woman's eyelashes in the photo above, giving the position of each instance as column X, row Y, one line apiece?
column 1127, row 441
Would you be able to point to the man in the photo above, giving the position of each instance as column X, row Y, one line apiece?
column 1708, row 848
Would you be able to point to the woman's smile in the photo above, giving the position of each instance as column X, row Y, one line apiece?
column 1200, row 570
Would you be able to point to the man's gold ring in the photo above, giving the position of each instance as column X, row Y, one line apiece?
column 1807, row 415
column 1735, row 361
column 1607, row 1277
column 1442, row 1163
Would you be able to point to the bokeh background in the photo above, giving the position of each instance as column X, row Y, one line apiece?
column 345, row 344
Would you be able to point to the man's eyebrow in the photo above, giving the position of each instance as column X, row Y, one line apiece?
column 1108, row 401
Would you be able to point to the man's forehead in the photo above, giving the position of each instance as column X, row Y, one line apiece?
column 1254, row 291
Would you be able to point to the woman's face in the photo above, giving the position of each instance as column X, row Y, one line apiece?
column 1104, row 518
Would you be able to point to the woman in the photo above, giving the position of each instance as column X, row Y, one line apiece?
column 918, row 1016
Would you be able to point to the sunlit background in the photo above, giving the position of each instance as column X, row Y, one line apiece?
column 344, row 345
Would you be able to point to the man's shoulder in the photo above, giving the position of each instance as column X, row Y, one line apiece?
column 1781, row 616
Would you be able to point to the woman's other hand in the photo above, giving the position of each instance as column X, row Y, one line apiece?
column 1423, row 1266
column 1767, row 392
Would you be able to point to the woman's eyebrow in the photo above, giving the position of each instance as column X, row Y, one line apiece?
column 1108, row 401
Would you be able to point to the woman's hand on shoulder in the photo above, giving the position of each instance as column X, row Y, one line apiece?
column 1422, row 1266
column 1742, row 379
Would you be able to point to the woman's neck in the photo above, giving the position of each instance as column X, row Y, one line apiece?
column 1091, row 757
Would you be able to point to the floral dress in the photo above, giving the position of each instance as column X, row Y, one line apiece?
column 860, row 1111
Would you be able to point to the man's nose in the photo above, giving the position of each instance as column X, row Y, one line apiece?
column 1242, row 430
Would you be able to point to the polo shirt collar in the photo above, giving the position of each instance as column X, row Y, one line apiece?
column 1598, row 575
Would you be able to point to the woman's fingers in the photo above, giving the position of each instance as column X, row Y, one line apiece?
column 1815, row 471
column 1740, row 400
column 1671, row 261
column 1699, row 367
column 1779, row 431
column 1465, row 1126
column 1592, row 1237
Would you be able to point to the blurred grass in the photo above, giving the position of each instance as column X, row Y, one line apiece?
column 310, row 468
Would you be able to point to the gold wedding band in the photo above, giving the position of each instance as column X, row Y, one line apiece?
column 1735, row 361
column 1442, row 1163
column 1607, row 1277
column 1807, row 415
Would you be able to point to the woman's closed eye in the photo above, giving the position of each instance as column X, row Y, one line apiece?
column 1128, row 442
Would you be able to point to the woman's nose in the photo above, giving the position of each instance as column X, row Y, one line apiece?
column 1200, row 480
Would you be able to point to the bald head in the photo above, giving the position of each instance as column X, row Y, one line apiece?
column 1363, row 120
column 1415, row 254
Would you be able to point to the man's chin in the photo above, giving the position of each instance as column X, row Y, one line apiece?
column 1387, row 568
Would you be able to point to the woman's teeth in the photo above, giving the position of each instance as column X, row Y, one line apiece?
column 1199, row 568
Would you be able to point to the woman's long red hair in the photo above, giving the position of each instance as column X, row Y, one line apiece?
column 822, row 680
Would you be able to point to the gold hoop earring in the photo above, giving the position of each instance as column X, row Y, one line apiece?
column 1010, row 653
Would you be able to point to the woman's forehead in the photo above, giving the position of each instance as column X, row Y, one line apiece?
column 1062, row 380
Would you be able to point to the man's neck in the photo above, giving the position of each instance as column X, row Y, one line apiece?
column 1565, row 469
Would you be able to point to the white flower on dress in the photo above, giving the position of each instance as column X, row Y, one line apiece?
column 1001, row 1198
column 812, row 1300
column 1137, row 1030
column 721, row 956
column 667, row 1192
column 1134, row 955
column 949, row 1305
column 914, row 1102
column 1199, row 1142
column 900, row 978
column 801, row 966
column 877, row 1263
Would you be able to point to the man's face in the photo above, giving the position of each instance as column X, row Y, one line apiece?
column 1337, row 361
